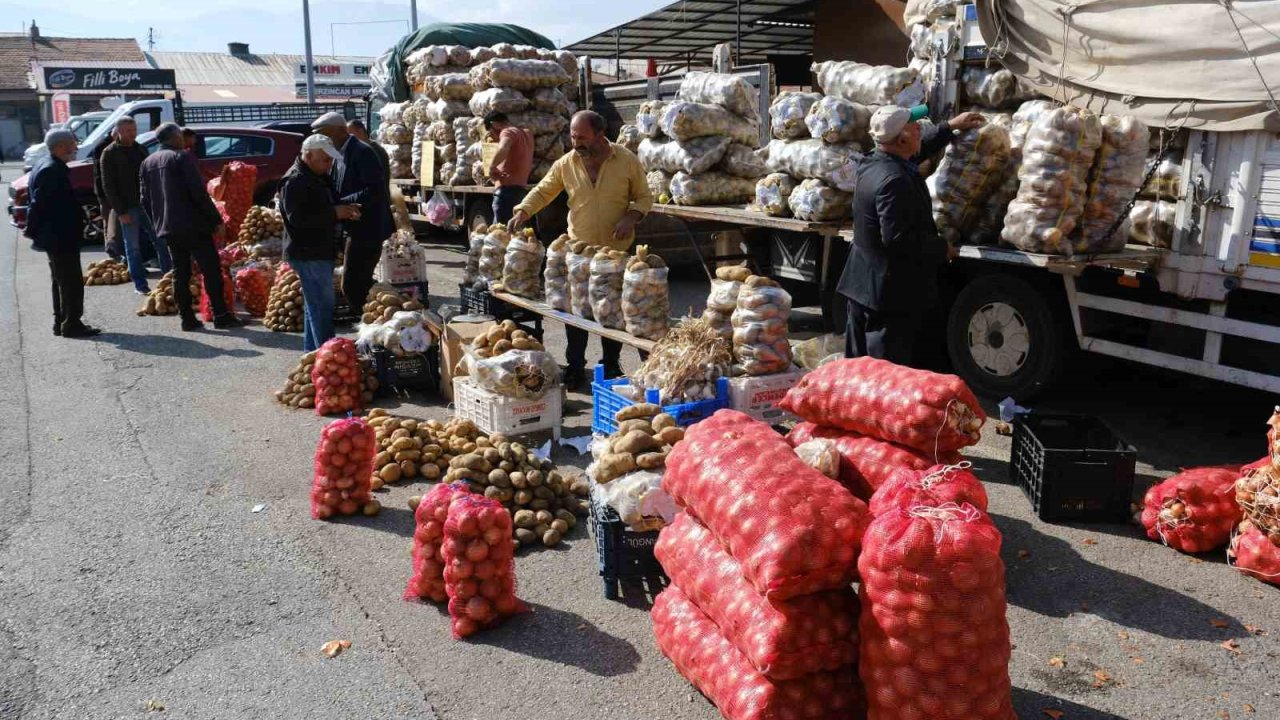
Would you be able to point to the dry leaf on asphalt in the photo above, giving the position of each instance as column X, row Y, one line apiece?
column 1248, row 708
column 1254, row 630
column 1089, row 541
column 1123, row 635
column 1055, row 714
column 1138, row 661
column 334, row 647
column 153, row 705
column 1024, row 554
column 1219, row 623
column 1231, row 645
column 1101, row 678
column 1057, row 662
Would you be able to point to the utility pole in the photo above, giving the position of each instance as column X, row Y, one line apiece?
column 306, row 30
column 413, row 15
column 151, row 39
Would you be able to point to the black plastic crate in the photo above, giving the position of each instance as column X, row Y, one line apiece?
column 622, row 554
column 343, row 313
column 1073, row 468
column 412, row 371
column 480, row 302
column 416, row 290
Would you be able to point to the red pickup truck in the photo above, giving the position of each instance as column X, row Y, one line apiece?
column 216, row 145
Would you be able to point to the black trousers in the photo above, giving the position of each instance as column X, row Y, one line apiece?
column 575, row 353
column 68, row 289
column 201, row 249
column 357, row 274
column 505, row 200
column 888, row 336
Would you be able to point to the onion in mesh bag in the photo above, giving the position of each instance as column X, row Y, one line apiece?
column 870, row 84
column 760, row 344
column 493, row 252
column 551, row 100
column 866, row 463
column 1115, row 178
column 711, row 188
column 907, row 488
column 629, row 136
column 519, row 74
column 1056, row 158
column 1252, row 552
column 835, row 165
column 454, row 86
column 995, row 87
column 728, row 91
column 479, row 565
column 646, row 297
column 1193, row 511
column 498, row 99
column 648, row 117
column 447, row 110
column 787, row 114
column 605, row 287
column 428, row 536
column 772, row 192
column 813, row 201
column 970, row 172
column 991, row 220
column 539, row 123
column 686, row 120
column 743, row 161
column 835, row 120
column 659, row 182
column 567, row 60
column 694, row 156
column 1151, row 222
column 555, row 277
column 342, row 469
column 525, row 374
column 522, row 265
column 394, row 134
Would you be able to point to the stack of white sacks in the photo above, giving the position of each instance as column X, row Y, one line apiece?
column 818, row 138
column 701, row 147
column 454, row 87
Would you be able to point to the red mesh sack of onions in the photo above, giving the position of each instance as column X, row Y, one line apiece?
column 923, row 410
column 866, row 463
column 934, row 637
column 720, row 671
column 428, row 537
column 783, row 639
column 228, row 296
column 938, row 485
column 794, row 530
column 233, row 255
column 238, row 181
column 343, row 466
column 336, row 376
column 479, row 565
column 1253, row 552
column 1193, row 511
column 253, row 285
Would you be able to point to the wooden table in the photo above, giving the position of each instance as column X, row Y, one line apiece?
column 464, row 189
column 595, row 328
column 739, row 215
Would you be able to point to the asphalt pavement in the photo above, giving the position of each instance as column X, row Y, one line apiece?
column 135, row 579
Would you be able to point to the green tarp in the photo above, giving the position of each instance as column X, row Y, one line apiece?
column 466, row 34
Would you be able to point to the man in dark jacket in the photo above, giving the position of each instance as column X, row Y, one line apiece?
column 356, row 127
column 358, row 179
column 111, row 240
column 891, row 276
column 311, row 214
column 55, row 226
column 185, row 219
column 121, row 167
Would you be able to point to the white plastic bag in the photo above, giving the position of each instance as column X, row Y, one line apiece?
column 821, row 455
column 870, row 84
column 772, row 192
column 639, row 500
column 522, row 265
column 838, row 121
column 728, row 91
column 835, row 165
column 646, row 296
column 692, row 156
column 526, row 374
column 760, row 344
column 648, row 118
column 787, row 114
column 686, row 120
column 743, row 161
column 1056, row 159
column 439, row 211
column 605, row 287
column 813, row 201
column 711, row 188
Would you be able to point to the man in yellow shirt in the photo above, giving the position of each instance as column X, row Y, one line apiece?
column 608, row 195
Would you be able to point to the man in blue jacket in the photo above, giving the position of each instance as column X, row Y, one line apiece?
column 55, row 225
column 891, row 276
column 358, row 179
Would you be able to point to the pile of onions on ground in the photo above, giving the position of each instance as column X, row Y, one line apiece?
column 253, row 286
column 228, row 296
column 336, row 377
column 430, row 515
column 1255, row 549
column 1193, row 511
column 340, row 482
column 479, row 565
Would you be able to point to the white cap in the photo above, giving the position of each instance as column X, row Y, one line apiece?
column 888, row 121
column 316, row 141
column 329, row 119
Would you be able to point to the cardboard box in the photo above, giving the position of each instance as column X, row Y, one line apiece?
column 759, row 396
column 457, row 335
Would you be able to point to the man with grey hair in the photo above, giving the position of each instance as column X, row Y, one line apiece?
column 891, row 275
column 358, row 179
column 184, row 217
column 55, row 225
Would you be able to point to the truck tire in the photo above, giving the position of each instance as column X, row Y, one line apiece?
column 1003, row 337
column 479, row 212
column 94, row 223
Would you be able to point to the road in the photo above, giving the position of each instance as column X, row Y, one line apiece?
column 134, row 575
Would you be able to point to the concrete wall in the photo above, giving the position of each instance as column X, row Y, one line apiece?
column 868, row 31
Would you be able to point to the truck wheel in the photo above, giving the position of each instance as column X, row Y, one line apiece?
column 479, row 212
column 94, row 224
column 1003, row 339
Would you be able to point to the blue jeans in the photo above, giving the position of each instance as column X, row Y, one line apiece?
column 133, row 233
column 317, row 301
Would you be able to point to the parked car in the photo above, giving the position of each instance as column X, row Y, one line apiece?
column 301, row 127
column 81, row 125
column 271, row 151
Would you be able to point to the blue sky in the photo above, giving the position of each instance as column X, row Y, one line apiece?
column 276, row 25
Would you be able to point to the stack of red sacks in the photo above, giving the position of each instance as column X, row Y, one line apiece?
column 233, row 190
column 883, row 417
column 759, row 616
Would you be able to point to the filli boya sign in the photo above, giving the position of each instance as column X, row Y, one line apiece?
column 89, row 78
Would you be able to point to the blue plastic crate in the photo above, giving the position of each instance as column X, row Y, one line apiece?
column 605, row 403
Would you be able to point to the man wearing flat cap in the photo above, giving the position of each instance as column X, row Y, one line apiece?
column 358, row 179
column 891, row 276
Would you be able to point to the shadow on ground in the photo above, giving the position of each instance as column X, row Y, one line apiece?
column 565, row 638
column 168, row 346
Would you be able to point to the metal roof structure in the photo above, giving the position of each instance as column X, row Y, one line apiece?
column 689, row 29
column 220, row 68
column 18, row 52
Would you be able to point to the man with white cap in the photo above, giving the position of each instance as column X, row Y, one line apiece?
column 891, row 276
column 311, row 214
column 358, row 179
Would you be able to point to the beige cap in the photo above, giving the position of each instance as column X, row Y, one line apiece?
column 329, row 119
column 888, row 121
column 320, row 142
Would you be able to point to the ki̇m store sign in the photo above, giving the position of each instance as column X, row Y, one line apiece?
column 333, row 80
column 65, row 79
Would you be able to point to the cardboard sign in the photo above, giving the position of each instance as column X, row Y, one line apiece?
column 427, row 170
column 487, row 151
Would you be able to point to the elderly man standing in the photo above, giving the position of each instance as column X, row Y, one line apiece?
column 55, row 226
column 356, row 127
column 358, row 179
column 311, row 215
column 608, row 196
column 184, row 217
column 121, row 170
column 512, row 163
column 891, row 276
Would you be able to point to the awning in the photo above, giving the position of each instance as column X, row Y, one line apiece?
column 689, row 29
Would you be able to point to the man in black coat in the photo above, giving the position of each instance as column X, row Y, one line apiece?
column 55, row 226
column 358, row 179
column 356, row 127
column 184, row 217
column 120, row 167
column 891, row 276
column 311, row 214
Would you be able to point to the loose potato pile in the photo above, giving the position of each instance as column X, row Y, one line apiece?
column 106, row 272
column 299, row 392
column 385, row 301
column 284, row 306
column 408, row 448
column 642, row 441
column 503, row 337
column 259, row 224
column 161, row 301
